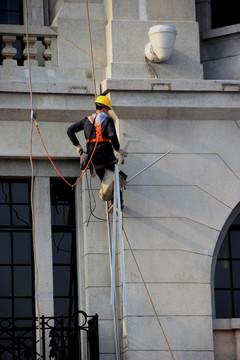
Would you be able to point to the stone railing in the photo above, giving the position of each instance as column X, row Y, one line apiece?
column 42, row 46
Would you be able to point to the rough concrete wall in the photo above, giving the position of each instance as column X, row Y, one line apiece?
column 127, row 36
column 174, row 211
column 178, row 208
column 173, row 215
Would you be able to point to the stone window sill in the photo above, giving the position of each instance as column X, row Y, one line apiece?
column 223, row 31
column 226, row 324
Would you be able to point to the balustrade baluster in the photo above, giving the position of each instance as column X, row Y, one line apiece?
column 47, row 54
column 32, row 50
column 8, row 52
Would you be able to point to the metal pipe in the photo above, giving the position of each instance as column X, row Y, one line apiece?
column 115, row 317
column 114, row 246
column 117, row 186
column 147, row 167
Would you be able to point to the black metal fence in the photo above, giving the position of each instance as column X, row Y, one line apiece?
column 58, row 338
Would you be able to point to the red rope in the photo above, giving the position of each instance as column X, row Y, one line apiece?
column 50, row 159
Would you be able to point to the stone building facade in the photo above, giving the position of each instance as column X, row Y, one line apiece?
column 176, row 213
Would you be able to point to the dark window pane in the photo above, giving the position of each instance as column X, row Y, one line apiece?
column 9, row 4
column 11, row 12
column 20, row 193
column 61, row 192
column 61, row 215
column 5, row 248
column 3, row 4
column 236, row 273
column 5, row 281
column 5, row 215
column 222, row 274
column 5, row 308
column 21, row 215
column 237, row 220
column 61, row 280
column 62, row 244
column 23, row 307
column 224, row 13
column 16, row 248
column 11, row 18
column 63, row 247
column 237, row 303
column 22, row 281
column 25, row 322
column 22, row 248
column 223, row 303
column 224, row 251
column 235, row 244
column 4, row 193
column 64, row 307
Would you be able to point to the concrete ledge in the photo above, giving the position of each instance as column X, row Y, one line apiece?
column 33, row 30
column 47, row 87
column 131, row 99
column 171, row 85
column 223, row 31
column 174, row 99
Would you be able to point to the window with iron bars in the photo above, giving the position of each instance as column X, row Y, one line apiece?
column 17, row 299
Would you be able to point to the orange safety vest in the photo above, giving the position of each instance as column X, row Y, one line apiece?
column 99, row 137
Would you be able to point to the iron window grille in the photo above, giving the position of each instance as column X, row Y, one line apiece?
column 57, row 340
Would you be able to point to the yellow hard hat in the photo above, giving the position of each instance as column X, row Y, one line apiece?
column 102, row 99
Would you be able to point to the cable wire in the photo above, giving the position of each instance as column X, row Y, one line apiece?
column 149, row 296
column 32, row 180
column 91, row 49
column 90, row 191
column 50, row 159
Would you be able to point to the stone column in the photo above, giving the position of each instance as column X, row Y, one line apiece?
column 127, row 36
column 42, row 215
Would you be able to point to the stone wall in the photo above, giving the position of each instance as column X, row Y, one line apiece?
column 174, row 211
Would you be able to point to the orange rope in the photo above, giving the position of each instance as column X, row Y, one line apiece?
column 49, row 157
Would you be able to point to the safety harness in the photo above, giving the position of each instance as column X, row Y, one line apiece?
column 98, row 128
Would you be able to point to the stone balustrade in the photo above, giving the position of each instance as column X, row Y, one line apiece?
column 42, row 41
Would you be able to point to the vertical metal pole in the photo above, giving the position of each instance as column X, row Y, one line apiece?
column 63, row 352
column 118, row 200
column 115, row 317
column 114, row 245
column 43, row 338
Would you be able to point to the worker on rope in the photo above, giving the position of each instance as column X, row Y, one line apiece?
column 99, row 127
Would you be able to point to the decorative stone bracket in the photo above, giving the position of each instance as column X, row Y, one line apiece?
column 42, row 42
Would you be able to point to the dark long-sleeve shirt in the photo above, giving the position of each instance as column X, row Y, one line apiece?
column 104, row 151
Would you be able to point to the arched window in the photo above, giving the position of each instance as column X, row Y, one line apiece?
column 227, row 274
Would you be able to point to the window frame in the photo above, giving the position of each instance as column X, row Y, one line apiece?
column 66, row 229
column 14, row 320
column 224, row 236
